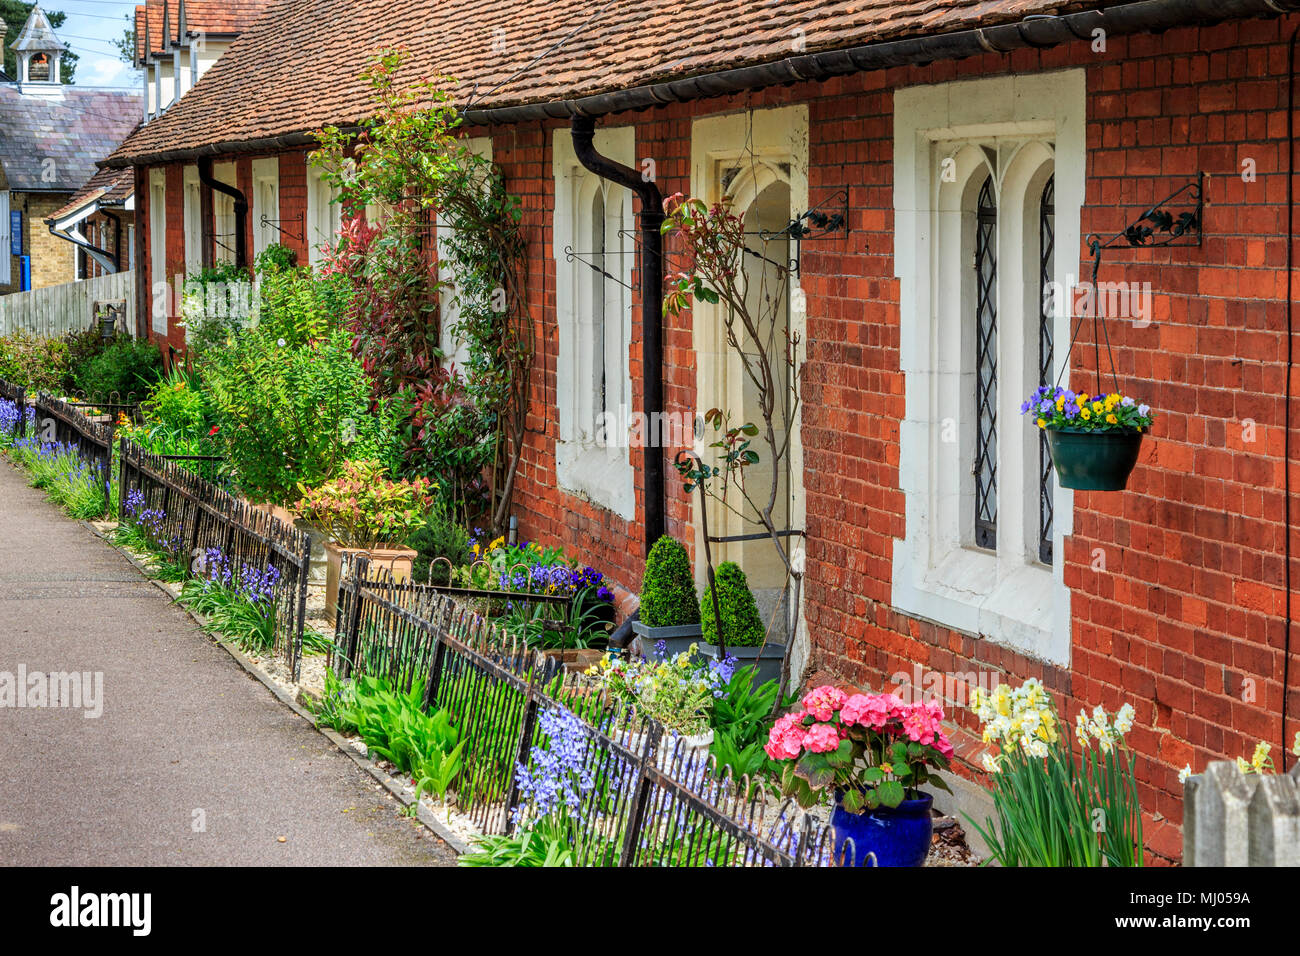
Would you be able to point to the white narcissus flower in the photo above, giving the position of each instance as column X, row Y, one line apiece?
column 990, row 763
column 1124, row 719
column 1184, row 773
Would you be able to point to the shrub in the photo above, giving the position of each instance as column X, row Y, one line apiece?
column 668, row 588
column 363, row 509
column 126, row 366
column 81, row 348
column 439, row 537
column 741, row 625
column 34, row 363
column 294, row 304
column 290, row 414
column 217, row 304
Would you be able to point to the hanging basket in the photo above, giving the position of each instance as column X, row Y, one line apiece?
column 1092, row 460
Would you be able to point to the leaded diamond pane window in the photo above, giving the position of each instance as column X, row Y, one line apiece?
column 986, row 368
column 1046, row 249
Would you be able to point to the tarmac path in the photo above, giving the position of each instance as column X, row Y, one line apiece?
column 192, row 761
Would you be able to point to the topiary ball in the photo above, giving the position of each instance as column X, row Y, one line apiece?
column 668, row 588
column 741, row 625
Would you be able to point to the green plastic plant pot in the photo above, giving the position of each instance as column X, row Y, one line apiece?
column 1094, row 461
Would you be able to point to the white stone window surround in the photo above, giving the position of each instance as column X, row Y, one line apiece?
column 160, row 303
column 324, row 215
column 265, row 201
column 453, row 346
column 192, row 211
column 1008, row 596
column 598, row 472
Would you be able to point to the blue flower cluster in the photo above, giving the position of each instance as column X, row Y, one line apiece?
column 255, row 585
column 557, row 776
column 9, row 417
column 554, row 579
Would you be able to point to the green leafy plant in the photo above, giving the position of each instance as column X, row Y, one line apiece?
column 579, row 624
column 288, row 415
column 410, row 159
column 395, row 727
column 362, row 508
column 127, row 367
column 440, row 542
column 34, row 363
column 549, row 842
column 668, row 587
column 67, row 479
column 741, row 624
column 295, row 304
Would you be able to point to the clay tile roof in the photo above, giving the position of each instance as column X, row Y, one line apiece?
column 109, row 186
column 49, row 143
column 223, row 17
column 296, row 69
column 215, row 17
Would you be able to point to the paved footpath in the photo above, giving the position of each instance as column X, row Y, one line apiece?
column 183, row 729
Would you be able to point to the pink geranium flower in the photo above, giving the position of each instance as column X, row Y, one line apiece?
column 785, row 741
column 823, row 702
column 821, row 738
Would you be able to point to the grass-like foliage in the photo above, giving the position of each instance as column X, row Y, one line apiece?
column 67, row 479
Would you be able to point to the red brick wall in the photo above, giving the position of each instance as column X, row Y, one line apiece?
column 1188, row 614
column 293, row 202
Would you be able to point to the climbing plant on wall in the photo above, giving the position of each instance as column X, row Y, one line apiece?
column 409, row 167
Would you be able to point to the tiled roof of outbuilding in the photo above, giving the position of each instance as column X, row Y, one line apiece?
column 50, row 142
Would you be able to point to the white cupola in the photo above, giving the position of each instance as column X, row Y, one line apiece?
column 39, row 52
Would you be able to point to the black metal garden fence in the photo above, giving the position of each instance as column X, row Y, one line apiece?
column 650, row 802
column 204, row 526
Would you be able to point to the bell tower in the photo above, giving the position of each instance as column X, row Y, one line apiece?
column 39, row 52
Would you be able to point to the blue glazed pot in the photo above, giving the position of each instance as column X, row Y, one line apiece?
column 898, row 836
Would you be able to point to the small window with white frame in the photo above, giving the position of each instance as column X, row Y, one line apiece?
column 594, row 254
column 265, row 204
column 324, row 213
column 987, row 195
column 192, row 211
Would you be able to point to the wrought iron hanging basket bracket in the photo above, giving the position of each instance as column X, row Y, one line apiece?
column 1161, row 225
column 827, row 218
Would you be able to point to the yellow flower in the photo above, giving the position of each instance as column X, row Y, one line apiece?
column 1042, row 423
column 1060, row 403
column 1111, row 419
column 1085, row 414
column 1098, row 407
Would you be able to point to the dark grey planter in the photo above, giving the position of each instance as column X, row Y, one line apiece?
column 769, row 664
column 678, row 637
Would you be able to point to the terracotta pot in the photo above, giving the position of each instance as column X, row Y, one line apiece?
column 576, row 659
column 396, row 561
column 276, row 511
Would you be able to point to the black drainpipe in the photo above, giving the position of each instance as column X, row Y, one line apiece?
column 651, row 268
column 241, row 209
column 117, row 236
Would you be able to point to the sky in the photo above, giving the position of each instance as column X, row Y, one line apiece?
column 90, row 29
